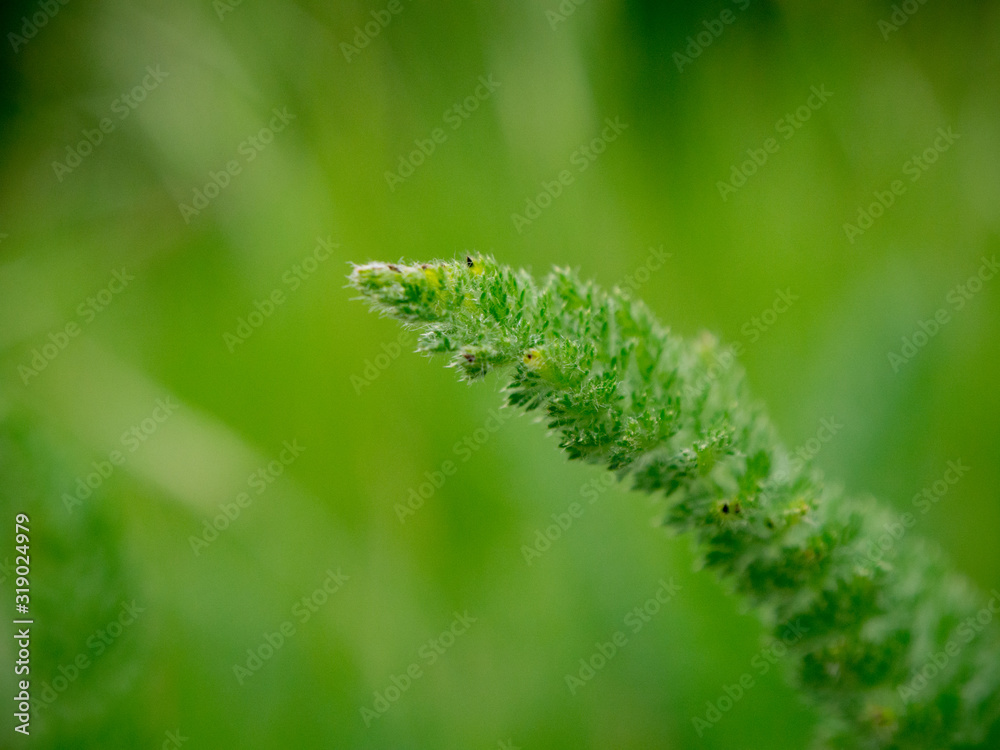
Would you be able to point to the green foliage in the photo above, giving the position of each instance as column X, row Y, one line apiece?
column 889, row 652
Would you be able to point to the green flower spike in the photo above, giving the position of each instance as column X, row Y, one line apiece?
column 891, row 652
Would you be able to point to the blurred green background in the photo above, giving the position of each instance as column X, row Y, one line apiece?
column 320, row 370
